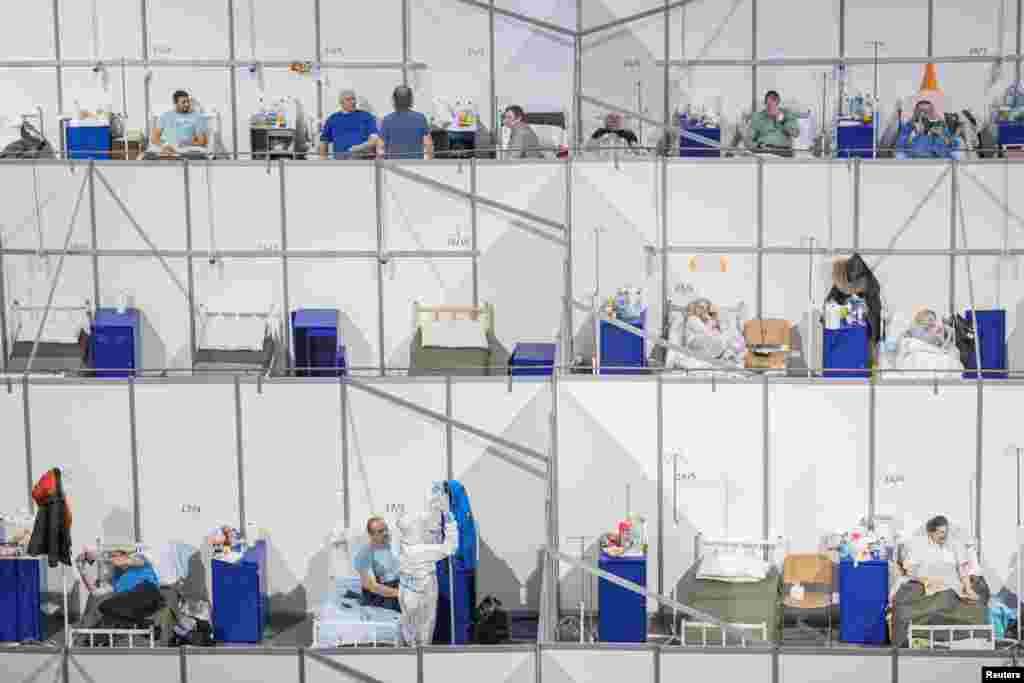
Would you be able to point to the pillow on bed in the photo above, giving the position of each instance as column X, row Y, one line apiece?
column 735, row 568
column 454, row 334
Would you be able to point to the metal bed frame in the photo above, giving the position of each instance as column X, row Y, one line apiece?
column 765, row 549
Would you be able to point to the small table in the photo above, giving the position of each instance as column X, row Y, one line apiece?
column 863, row 597
column 240, row 602
column 622, row 616
column 21, row 580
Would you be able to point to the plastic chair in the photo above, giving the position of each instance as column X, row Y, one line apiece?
column 815, row 574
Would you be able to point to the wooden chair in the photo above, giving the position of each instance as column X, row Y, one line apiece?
column 764, row 332
column 816, row 575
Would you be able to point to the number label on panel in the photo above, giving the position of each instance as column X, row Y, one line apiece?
column 268, row 246
column 459, row 241
column 78, row 246
column 978, row 51
column 334, row 52
column 191, row 509
column 395, row 508
column 162, row 50
column 633, row 63
column 480, row 52
column 893, row 480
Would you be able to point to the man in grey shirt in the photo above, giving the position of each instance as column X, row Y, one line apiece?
column 523, row 142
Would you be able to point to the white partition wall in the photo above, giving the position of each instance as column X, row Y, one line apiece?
column 14, row 483
column 292, row 450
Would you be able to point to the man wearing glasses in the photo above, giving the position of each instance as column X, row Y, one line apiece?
column 377, row 565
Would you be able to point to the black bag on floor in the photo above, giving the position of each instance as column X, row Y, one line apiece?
column 491, row 627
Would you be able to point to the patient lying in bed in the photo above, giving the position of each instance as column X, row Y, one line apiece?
column 941, row 584
column 710, row 338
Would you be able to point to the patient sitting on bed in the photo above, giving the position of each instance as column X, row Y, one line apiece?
column 704, row 335
column 377, row 565
column 935, row 566
column 134, row 589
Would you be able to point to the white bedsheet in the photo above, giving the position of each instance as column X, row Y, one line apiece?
column 62, row 327
column 233, row 334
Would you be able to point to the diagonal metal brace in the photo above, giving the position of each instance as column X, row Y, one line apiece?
column 651, row 122
column 913, row 215
column 142, row 234
column 646, row 334
column 530, row 21
column 440, row 417
column 995, row 199
column 340, row 668
column 469, row 196
column 641, row 590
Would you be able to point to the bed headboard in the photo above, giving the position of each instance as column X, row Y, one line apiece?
column 425, row 314
column 771, row 550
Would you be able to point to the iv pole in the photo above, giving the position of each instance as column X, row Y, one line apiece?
column 875, row 120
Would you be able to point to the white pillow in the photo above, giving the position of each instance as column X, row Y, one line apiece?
column 733, row 567
column 454, row 334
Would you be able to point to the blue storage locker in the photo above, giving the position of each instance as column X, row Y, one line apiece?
column 465, row 599
column 532, row 360
column 21, row 585
column 855, row 141
column 991, row 329
column 85, row 140
column 622, row 352
column 622, row 616
column 240, row 600
column 863, row 597
column 315, row 341
column 1010, row 133
column 845, row 349
column 693, row 148
column 115, row 342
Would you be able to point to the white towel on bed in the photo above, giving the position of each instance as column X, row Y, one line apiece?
column 454, row 334
column 733, row 568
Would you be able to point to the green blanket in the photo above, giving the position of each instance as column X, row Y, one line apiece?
column 473, row 362
column 738, row 603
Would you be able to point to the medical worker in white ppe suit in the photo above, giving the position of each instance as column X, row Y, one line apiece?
column 417, row 571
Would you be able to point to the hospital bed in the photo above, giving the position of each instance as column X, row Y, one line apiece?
column 340, row 620
column 456, row 340
column 63, row 344
column 687, row 353
column 749, row 598
column 964, row 627
column 236, row 341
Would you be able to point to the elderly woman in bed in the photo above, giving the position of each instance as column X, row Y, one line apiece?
column 939, row 568
column 705, row 337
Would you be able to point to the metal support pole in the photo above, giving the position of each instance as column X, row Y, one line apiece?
column 27, row 418
column 661, row 484
column 754, row 99
column 578, row 72
column 286, row 299
column 931, row 28
column 3, row 310
column 405, row 42
column 978, row 467
column 569, row 289
column 346, row 504
column 59, row 55
column 842, row 28
column 856, row 203
column 240, row 451
column 492, row 72
column 378, row 182
column 954, row 193
column 146, row 81
column 664, row 248
column 449, row 432
column 554, row 541
column 473, row 225
column 92, row 235
column 133, row 436
column 872, row 450
column 233, row 78
column 1020, row 22
column 766, row 459
column 667, row 68
column 317, row 18
column 760, row 237
column 189, row 265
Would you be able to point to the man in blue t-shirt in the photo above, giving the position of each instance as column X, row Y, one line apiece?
column 405, row 134
column 377, row 565
column 134, row 590
column 179, row 128
column 349, row 128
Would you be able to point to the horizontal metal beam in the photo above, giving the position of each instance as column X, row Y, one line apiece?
column 833, row 61
column 798, row 251
column 554, row 28
column 201, row 64
column 244, row 253
column 628, row 112
column 457, row 424
column 481, row 201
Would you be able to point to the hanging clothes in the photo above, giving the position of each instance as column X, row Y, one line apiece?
column 51, row 535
